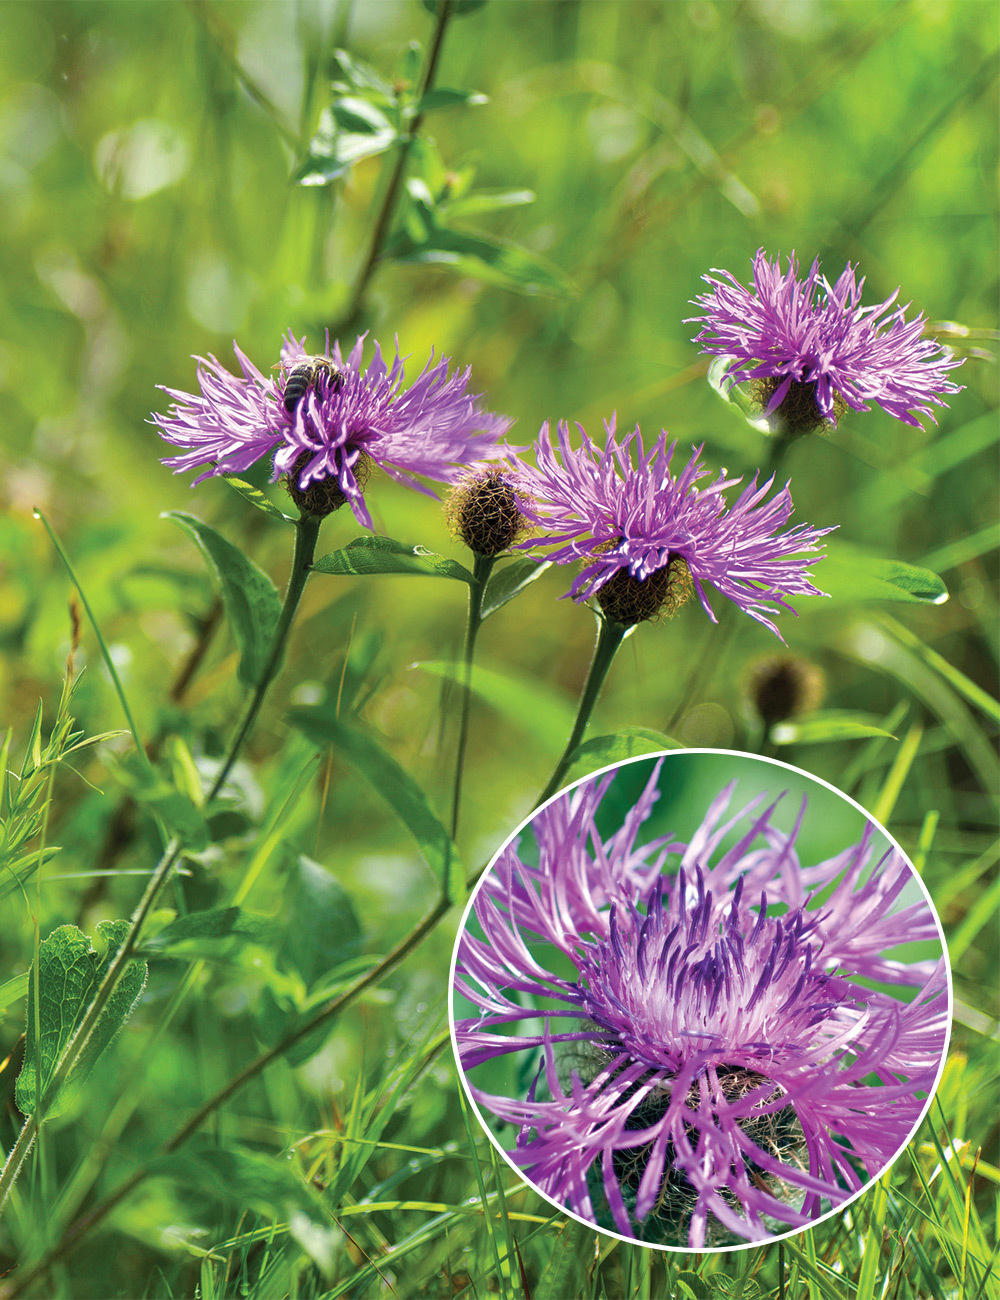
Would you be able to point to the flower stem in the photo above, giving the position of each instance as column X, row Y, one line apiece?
column 307, row 530
column 391, row 196
column 481, row 570
column 609, row 638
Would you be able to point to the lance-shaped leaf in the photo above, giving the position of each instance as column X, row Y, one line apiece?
column 510, row 581
column 366, row 556
column 256, row 497
column 70, row 970
column 250, row 598
column 628, row 742
column 850, row 575
column 406, row 799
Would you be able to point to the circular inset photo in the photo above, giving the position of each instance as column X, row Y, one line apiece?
column 700, row 1000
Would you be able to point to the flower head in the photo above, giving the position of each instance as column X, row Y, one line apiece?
column 812, row 350
column 328, row 419
column 633, row 523
column 707, row 1054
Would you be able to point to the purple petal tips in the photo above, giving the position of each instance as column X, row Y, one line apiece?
column 714, row 1052
column 327, row 418
column 812, row 350
column 622, row 511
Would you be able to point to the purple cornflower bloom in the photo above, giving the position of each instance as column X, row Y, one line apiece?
column 814, row 350
column 702, row 1054
column 634, row 524
column 347, row 418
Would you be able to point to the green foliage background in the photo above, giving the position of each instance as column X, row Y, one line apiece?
column 150, row 212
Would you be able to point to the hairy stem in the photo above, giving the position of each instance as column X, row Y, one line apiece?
column 481, row 571
column 609, row 638
column 306, row 532
column 391, row 196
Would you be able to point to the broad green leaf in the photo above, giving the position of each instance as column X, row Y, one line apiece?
column 213, row 932
column 628, row 742
column 350, row 129
column 321, row 927
column 494, row 261
column 540, row 711
column 363, row 752
column 510, row 581
column 69, row 972
column 372, row 555
column 446, row 97
column 256, row 497
column 149, row 787
column 850, row 575
column 828, row 725
column 250, row 598
column 268, row 1185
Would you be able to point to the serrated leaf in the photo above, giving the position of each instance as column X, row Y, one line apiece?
column 212, row 931
column 540, row 711
column 394, row 784
column 365, row 556
column 446, row 97
column 828, row 725
column 850, row 575
column 250, row 598
column 69, row 972
column 272, row 1187
column 510, row 581
column 256, row 497
column 628, row 742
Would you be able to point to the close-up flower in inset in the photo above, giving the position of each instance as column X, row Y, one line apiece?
column 328, row 419
column 708, row 1041
column 647, row 536
column 811, row 350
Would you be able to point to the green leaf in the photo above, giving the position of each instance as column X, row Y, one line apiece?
column 321, row 927
column 735, row 395
column 256, row 497
column 828, row 725
column 13, row 990
column 546, row 716
column 268, row 1185
column 850, row 575
column 213, row 932
column 69, row 972
column 481, row 201
column 393, row 783
column 350, row 73
column 250, row 598
column 494, row 261
column 628, row 742
column 350, row 129
column 445, row 97
column 150, row 787
column 371, row 555
column 510, row 581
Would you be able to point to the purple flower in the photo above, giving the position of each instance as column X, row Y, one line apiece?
column 813, row 350
column 638, row 528
column 705, row 1060
column 346, row 418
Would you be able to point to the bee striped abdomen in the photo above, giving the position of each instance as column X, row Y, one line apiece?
column 304, row 375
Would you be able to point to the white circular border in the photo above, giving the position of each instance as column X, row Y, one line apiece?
column 608, row 1232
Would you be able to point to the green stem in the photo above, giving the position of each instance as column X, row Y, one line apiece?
column 609, row 638
column 481, row 570
column 391, row 196
column 307, row 530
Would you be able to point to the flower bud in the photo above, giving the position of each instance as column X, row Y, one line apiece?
column 784, row 686
column 628, row 600
column 483, row 511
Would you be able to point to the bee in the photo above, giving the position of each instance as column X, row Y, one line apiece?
column 304, row 375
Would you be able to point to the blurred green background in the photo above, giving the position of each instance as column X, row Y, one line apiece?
column 151, row 212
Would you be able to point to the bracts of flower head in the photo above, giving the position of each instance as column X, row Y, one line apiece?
column 811, row 350
column 714, row 1066
column 328, row 419
column 646, row 536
